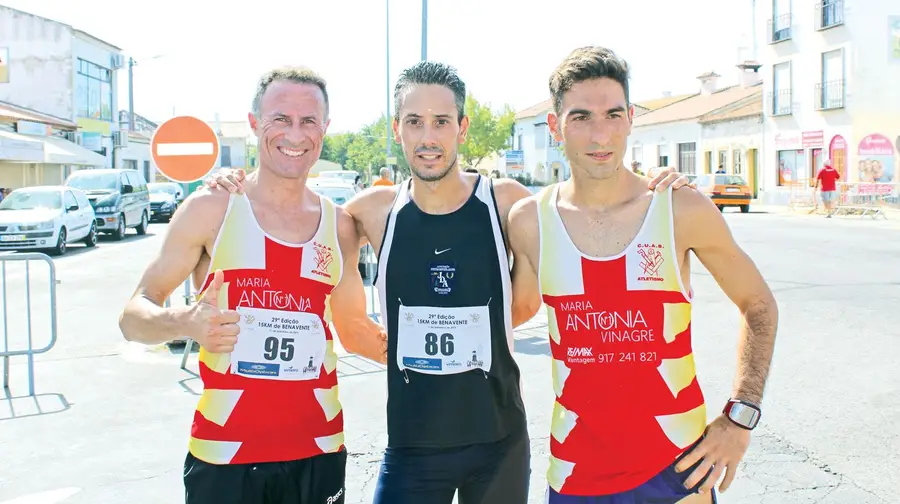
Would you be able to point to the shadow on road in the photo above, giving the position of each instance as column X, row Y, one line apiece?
column 533, row 346
column 12, row 407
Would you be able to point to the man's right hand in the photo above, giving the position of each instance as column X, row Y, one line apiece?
column 228, row 179
column 216, row 330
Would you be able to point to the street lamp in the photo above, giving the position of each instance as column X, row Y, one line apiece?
column 424, row 30
column 387, row 74
column 131, row 63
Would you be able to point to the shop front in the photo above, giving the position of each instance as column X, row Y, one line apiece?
column 30, row 160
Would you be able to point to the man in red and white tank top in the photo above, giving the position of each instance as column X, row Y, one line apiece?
column 274, row 265
column 611, row 262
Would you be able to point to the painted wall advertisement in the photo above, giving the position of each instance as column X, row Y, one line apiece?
column 876, row 159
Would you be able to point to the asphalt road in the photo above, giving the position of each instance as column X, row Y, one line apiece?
column 110, row 420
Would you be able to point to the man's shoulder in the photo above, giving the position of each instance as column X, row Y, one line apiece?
column 372, row 199
column 687, row 203
column 524, row 212
column 206, row 202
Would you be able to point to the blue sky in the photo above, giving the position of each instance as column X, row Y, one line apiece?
column 212, row 52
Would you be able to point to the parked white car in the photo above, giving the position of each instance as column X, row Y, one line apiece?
column 46, row 217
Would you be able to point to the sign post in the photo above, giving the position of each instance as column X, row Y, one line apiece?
column 185, row 149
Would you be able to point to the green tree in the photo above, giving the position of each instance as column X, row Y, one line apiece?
column 489, row 131
column 335, row 147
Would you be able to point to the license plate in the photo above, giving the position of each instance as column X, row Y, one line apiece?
column 12, row 238
column 732, row 189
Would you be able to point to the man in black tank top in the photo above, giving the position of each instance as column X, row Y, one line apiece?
column 456, row 419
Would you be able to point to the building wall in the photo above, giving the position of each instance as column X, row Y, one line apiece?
column 734, row 143
column 661, row 139
column 40, row 69
column 869, row 104
column 543, row 159
column 238, row 154
column 90, row 125
column 137, row 156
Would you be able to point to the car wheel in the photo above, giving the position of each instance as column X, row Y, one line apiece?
column 61, row 246
column 142, row 227
column 91, row 239
column 745, row 208
column 120, row 229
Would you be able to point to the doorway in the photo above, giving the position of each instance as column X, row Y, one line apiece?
column 752, row 175
column 816, row 162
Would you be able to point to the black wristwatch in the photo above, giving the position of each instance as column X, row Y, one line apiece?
column 742, row 413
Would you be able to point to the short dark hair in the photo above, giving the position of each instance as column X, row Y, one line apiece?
column 430, row 72
column 297, row 75
column 586, row 63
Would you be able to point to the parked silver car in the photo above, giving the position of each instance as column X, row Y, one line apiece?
column 340, row 192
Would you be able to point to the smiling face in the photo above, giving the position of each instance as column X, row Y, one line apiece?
column 290, row 124
column 429, row 130
column 594, row 122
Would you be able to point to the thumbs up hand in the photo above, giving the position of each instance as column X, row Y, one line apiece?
column 214, row 329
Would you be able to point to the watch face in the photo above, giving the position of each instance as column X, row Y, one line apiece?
column 744, row 415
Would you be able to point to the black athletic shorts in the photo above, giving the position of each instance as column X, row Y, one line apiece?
column 316, row 480
column 491, row 473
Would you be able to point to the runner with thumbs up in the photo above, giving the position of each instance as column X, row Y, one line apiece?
column 277, row 271
column 214, row 329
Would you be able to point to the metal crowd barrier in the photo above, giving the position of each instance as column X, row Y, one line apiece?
column 371, row 268
column 30, row 351
column 867, row 199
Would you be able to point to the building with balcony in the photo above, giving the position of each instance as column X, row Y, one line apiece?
column 63, row 72
column 831, row 68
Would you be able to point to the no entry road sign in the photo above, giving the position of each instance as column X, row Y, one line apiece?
column 184, row 149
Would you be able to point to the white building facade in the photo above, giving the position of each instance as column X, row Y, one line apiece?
column 535, row 152
column 831, row 68
column 63, row 72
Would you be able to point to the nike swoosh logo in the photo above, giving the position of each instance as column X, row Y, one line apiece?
column 441, row 252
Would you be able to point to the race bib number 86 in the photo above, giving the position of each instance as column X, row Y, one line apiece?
column 443, row 341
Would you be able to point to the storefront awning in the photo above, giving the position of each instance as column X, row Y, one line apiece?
column 61, row 151
column 19, row 148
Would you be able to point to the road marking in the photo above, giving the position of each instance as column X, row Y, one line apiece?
column 185, row 149
column 49, row 497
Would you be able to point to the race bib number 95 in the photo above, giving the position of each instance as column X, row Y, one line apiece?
column 443, row 341
column 278, row 345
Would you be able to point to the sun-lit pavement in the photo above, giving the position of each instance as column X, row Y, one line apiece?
column 110, row 421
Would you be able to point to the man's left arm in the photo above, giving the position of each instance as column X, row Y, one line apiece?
column 358, row 333
column 700, row 227
column 526, row 295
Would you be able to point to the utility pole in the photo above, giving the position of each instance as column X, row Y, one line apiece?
column 424, row 30
column 131, row 64
column 387, row 73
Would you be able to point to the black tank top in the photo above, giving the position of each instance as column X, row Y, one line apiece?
column 445, row 293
